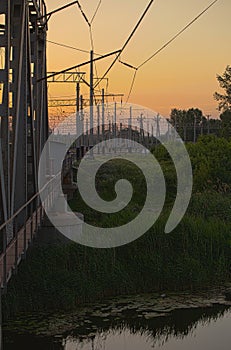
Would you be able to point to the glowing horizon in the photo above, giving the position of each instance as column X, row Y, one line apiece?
column 182, row 76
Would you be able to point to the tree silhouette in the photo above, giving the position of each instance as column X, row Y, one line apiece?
column 225, row 83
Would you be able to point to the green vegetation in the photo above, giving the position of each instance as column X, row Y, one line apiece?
column 224, row 99
column 191, row 123
column 195, row 255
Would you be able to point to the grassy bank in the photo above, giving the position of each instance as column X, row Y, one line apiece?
column 195, row 255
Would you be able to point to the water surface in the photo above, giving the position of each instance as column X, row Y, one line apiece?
column 192, row 322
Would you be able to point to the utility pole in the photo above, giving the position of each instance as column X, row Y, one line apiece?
column 91, row 100
column 77, row 122
column 82, row 126
column 194, row 129
column 98, row 126
column 115, row 125
column 157, row 127
column 168, row 136
column 103, row 119
column 208, row 124
column 141, row 128
column 152, row 135
column 148, row 131
column 130, row 129
column 175, row 121
column 87, row 136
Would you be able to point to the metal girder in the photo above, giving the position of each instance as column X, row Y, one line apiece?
column 62, row 103
column 65, row 103
column 71, row 102
column 67, row 77
column 38, row 8
column 23, row 102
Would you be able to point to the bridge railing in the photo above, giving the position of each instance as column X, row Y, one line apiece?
column 13, row 251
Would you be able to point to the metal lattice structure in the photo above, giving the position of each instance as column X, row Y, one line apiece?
column 23, row 102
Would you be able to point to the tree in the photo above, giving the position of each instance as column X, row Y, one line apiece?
column 189, row 124
column 226, row 123
column 225, row 83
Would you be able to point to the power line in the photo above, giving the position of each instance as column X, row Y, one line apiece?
column 133, row 79
column 92, row 47
column 96, row 11
column 85, row 51
column 83, row 14
column 128, row 65
column 167, row 44
column 90, row 34
column 90, row 30
column 131, row 87
column 78, row 66
column 178, row 34
column 71, row 47
column 129, row 39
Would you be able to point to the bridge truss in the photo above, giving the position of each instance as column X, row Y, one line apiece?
column 23, row 104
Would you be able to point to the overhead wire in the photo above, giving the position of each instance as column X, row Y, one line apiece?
column 131, row 87
column 133, row 78
column 71, row 47
column 178, row 34
column 81, row 50
column 89, row 23
column 128, row 39
column 83, row 14
column 166, row 44
column 123, row 47
column 128, row 65
column 92, row 48
column 96, row 11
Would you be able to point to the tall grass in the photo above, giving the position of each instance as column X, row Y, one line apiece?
column 196, row 254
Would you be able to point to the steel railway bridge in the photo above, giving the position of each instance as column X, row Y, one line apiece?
column 23, row 126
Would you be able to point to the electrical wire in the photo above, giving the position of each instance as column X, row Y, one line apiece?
column 131, row 87
column 83, row 14
column 128, row 65
column 90, row 30
column 92, row 48
column 90, row 34
column 82, row 50
column 71, row 47
column 178, row 34
column 133, row 79
column 165, row 45
column 128, row 39
column 96, row 11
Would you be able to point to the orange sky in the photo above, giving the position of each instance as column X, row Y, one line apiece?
column 182, row 76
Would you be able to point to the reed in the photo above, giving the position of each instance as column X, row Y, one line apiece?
column 195, row 255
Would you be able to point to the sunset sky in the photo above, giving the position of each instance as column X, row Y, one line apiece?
column 181, row 76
